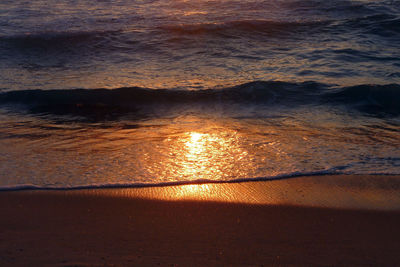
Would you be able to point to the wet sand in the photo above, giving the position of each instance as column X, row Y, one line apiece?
column 144, row 226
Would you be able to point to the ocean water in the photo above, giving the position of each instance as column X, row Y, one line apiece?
column 144, row 92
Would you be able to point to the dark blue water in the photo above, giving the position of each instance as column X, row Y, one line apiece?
column 245, row 89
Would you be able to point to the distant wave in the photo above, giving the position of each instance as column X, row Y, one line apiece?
column 55, row 36
column 66, row 41
column 244, row 26
column 374, row 99
column 94, row 44
column 384, row 25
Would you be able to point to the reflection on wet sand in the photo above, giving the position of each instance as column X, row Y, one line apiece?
column 335, row 191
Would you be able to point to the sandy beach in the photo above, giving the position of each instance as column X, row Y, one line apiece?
column 112, row 227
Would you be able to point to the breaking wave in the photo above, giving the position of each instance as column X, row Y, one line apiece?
column 374, row 99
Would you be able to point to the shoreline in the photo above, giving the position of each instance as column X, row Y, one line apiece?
column 29, row 187
column 370, row 192
column 135, row 227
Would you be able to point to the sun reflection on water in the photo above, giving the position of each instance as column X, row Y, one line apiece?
column 207, row 155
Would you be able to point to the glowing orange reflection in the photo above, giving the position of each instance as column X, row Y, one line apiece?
column 195, row 192
column 206, row 155
column 319, row 191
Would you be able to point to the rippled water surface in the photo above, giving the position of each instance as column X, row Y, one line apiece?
column 199, row 44
column 100, row 93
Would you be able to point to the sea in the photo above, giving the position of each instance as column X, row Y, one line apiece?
column 127, row 93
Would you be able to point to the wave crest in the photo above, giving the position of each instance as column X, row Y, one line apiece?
column 373, row 99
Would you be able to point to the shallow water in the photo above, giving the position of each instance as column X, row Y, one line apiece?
column 246, row 90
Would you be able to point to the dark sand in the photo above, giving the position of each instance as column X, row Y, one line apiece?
column 115, row 227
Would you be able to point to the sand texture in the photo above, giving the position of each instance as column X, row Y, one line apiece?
column 55, row 228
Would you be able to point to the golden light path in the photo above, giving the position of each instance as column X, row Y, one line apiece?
column 207, row 155
column 191, row 149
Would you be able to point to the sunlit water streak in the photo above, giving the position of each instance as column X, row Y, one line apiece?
column 186, row 148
